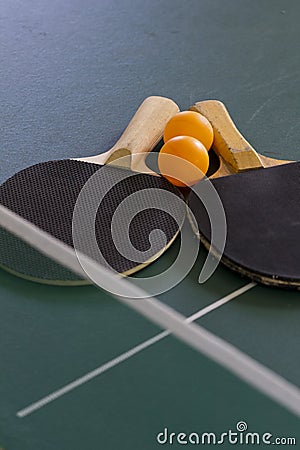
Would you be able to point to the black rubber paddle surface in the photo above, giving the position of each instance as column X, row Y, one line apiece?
column 46, row 193
column 262, row 209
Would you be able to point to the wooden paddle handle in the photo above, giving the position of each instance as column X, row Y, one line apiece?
column 143, row 133
column 228, row 141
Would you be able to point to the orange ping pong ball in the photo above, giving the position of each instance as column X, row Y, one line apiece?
column 191, row 162
column 190, row 123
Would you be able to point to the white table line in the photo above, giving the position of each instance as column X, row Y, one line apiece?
column 124, row 356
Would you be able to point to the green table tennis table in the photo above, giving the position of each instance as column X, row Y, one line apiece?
column 79, row 369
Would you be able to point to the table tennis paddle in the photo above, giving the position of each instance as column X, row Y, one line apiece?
column 45, row 194
column 261, row 200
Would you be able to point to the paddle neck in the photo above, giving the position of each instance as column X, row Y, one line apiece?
column 142, row 134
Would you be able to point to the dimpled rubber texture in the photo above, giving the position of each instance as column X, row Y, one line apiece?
column 262, row 210
column 46, row 193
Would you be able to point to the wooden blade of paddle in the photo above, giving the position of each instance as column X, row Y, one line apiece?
column 261, row 204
